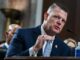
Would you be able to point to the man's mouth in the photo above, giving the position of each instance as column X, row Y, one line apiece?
column 57, row 28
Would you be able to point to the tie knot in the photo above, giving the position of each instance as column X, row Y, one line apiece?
column 49, row 41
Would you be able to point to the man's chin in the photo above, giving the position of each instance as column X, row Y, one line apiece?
column 57, row 32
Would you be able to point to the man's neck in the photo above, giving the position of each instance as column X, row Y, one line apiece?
column 44, row 31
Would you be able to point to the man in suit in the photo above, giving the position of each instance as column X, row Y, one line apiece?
column 33, row 41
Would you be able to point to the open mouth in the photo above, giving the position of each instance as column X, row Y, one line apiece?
column 57, row 28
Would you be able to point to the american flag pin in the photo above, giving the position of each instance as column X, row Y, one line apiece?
column 56, row 46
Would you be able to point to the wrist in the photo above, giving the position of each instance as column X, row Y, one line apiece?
column 35, row 49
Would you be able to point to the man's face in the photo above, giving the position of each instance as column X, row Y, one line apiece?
column 56, row 20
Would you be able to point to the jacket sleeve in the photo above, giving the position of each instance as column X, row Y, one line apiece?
column 16, row 47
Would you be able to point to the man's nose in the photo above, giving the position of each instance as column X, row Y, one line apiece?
column 59, row 22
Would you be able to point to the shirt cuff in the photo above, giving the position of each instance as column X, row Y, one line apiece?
column 32, row 52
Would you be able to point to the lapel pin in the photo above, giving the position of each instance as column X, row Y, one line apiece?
column 56, row 46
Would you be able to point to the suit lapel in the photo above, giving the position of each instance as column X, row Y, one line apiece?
column 55, row 51
column 37, row 32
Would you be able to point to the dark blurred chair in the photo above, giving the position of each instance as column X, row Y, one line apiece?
column 2, row 52
column 72, row 44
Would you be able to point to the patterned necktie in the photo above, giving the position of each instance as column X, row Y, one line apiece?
column 47, row 49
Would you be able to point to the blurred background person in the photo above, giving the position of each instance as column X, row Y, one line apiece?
column 71, row 42
column 8, row 36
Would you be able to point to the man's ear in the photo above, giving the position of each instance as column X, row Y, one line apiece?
column 45, row 15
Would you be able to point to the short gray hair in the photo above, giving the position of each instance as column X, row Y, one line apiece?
column 59, row 5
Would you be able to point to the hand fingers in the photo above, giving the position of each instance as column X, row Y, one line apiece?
column 42, row 38
column 47, row 37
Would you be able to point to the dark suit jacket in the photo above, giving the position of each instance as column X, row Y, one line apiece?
column 25, row 38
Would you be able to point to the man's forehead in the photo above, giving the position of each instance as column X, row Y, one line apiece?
column 11, row 28
column 57, row 11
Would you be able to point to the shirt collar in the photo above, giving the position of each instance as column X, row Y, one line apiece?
column 42, row 30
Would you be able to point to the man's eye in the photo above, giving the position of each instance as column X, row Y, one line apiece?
column 57, row 17
column 63, row 21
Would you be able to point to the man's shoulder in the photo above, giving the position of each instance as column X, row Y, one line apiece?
column 58, row 38
column 28, row 30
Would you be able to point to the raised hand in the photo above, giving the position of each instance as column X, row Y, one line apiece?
column 40, row 41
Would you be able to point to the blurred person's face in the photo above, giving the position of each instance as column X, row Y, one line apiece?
column 11, row 30
column 55, row 20
column 9, row 34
